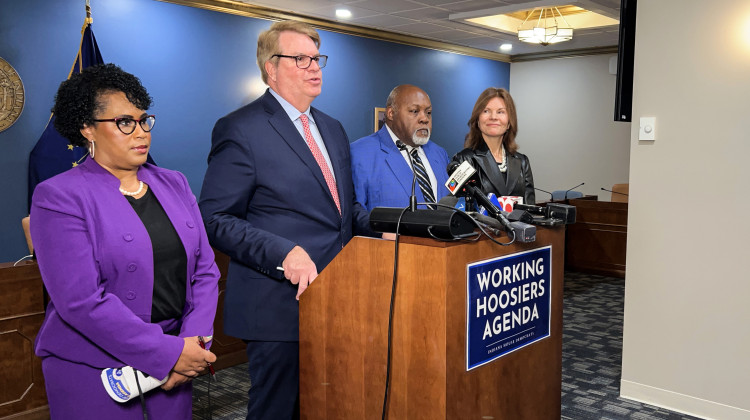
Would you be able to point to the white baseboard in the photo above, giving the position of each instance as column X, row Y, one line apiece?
column 681, row 403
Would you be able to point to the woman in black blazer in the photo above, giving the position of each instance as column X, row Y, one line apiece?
column 491, row 147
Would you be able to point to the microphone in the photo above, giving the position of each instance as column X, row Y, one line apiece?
column 458, row 176
column 515, row 215
column 614, row 192
column 524, row 232
column 121, row 385
column 461, row 178
column 412, row 197
column 563, row 213
column 449, row 201
column 566, row 192
column 551, row 197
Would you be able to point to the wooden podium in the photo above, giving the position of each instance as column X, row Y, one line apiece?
column 344, row 327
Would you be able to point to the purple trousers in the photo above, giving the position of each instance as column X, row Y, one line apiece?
column 75, row 391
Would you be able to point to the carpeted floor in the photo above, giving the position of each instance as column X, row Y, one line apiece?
column 592, row 351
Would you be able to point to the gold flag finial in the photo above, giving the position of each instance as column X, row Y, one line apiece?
column 89, row 19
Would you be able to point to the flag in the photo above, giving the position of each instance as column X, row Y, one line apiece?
column 53, row 153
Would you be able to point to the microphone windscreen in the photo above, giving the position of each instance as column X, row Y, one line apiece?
column 452, row 167
column 449, row 201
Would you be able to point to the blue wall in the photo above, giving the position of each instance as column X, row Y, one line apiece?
column 199, row 65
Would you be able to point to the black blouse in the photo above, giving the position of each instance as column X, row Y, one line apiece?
column 170, row 260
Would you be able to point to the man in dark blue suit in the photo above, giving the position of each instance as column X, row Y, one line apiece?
column 278, row 199
column 380, row 166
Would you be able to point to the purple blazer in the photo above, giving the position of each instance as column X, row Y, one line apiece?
column 96, row 261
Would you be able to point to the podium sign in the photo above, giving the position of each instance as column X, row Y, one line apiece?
column 508, row 304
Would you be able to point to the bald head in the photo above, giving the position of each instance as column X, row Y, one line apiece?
column 408, row 113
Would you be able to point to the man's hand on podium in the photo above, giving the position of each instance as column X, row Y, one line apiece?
column 299, row 269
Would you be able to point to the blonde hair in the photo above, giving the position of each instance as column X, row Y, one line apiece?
column 268, row 41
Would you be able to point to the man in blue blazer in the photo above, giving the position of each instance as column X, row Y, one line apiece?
column 383, row 173
column 278, row 199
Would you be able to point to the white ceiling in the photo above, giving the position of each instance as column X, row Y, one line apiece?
column 430, row 19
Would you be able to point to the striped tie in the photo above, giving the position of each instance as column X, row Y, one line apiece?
column 318, row 155
column 422, row 178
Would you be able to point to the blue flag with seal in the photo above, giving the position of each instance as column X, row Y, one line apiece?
column 53, row 153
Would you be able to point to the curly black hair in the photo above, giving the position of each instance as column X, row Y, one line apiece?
column 78, row 98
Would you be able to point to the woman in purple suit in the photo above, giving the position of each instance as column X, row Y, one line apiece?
column 123, row 253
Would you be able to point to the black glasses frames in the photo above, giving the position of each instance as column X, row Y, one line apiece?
column 304, row 61
column 126, row 125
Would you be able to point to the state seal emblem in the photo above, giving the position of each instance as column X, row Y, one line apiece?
column 11, row 95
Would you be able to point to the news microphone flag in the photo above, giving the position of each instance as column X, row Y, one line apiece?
column 121, row 384
column 459, row 176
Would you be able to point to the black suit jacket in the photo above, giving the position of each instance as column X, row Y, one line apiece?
column 518, row 180
column 264, row 193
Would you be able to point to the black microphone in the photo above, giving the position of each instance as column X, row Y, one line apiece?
column 551, row 197
column 564, row 213
column 478, row 195
column 566, row 192
column 524, row 232
column 413, row 196
column 449, row 201
column 614, row 192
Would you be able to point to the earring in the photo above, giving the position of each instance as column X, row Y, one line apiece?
column 92, row 149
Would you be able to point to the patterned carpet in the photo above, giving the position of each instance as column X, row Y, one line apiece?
column 592, row 350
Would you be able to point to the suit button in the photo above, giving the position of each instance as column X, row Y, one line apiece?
column 190, row 224
column 197, row 252
column 132, row 267
column 127, row 236
column 130, row 295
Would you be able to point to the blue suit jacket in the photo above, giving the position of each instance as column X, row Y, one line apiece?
column 96, row 261
column 264, row 193
column 382, row 177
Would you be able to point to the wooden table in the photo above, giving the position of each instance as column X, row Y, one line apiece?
column 597, row 242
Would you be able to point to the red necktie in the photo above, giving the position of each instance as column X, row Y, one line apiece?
column 321, row 161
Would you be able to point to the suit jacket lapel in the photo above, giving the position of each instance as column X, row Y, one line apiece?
column 396, row 162
column 441, row 176
column 172, row 207
column 280, row 121
column 513, row 174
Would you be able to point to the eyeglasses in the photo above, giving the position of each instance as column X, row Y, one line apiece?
column 127, row 125
column 304, row 61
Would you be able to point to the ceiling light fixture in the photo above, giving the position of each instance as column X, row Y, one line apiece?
column 506, row 47
column 343, row 13
column 547, row 29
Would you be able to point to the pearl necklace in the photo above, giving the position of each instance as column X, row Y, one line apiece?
column 503, row 167
column 133, row 194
